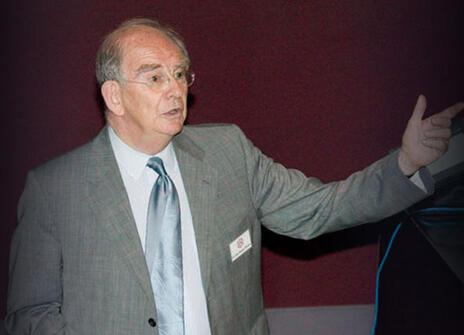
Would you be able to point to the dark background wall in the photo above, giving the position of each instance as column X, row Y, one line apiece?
column 322, row 86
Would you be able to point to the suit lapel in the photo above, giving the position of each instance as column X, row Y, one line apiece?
column 110, row 203
column 200, row 181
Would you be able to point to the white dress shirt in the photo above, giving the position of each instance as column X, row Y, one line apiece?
column 138, row 180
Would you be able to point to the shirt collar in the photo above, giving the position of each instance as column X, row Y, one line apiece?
column 133, row 161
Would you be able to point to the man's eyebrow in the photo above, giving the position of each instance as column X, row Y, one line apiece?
column 185, row 64
column 146, row 68
column 150, row 67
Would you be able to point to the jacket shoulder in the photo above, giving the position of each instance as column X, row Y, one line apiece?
column 62, row 165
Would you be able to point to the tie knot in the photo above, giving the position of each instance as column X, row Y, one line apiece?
column 157, row 165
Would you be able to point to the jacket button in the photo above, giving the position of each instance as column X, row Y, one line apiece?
column 152, row 322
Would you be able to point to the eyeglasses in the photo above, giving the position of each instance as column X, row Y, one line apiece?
column 158, row 79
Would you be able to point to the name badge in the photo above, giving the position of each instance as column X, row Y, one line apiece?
column 240, row 245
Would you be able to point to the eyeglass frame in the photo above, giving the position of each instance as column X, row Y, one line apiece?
column 167, row 80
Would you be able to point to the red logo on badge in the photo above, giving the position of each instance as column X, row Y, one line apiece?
column 240, row 243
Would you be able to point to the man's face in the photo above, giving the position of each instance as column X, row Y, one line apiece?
column 152, row 111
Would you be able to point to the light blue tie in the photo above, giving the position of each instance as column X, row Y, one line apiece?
column 163, row 252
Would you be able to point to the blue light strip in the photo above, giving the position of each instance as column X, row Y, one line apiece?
column 377, row 280
column 440, row 210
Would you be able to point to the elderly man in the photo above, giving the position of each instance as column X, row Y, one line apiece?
column 154, row 228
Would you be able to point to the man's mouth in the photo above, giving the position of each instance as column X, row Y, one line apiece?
column 173, row 112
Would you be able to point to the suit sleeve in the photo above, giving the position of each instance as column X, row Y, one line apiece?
column 35, row 286
column 292, row 204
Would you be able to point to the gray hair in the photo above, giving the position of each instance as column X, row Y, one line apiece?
column 109, row 55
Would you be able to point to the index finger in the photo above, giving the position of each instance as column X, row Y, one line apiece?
column 452, row 111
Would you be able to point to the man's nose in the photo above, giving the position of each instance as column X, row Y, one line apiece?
column 174, row 87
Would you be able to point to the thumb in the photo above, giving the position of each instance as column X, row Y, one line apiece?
column 419, row 109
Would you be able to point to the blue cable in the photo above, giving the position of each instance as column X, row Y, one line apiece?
column 441, row 210
column 377, row 280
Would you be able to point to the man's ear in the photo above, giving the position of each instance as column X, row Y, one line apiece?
column 111, row 92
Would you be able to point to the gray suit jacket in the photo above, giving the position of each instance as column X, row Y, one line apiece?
column 77, row 265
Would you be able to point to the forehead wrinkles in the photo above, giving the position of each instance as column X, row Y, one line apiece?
column 143, row 44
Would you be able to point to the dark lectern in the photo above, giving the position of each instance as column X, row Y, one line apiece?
column 421, row 287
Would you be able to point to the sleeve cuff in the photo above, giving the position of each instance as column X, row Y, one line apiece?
column 423, row 180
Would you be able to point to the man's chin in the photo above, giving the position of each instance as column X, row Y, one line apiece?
column 174, row 128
